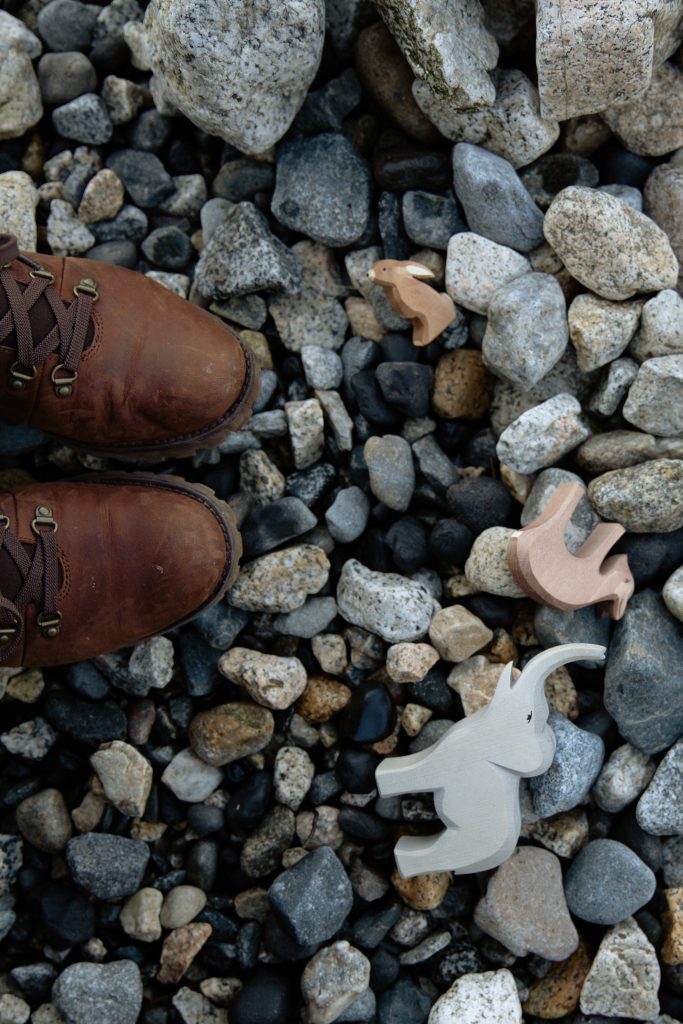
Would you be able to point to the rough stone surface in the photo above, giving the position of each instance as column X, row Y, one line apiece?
column 651, row 125
column 526, row 331
column 524, row 907
column 673, row 594
column 647, row 498
column 660, row 809
column 392, row 471
column 126, row 776
column 578, row 759
column 456, row 633
column 543, row 434
column 268, row 53
column 396, row 608
column 43, row 820
column 487, row 566
column 641, row 690
column 491, row 996
column 107, row 866
column 281, row 581
column 589, row 55
column 623, row 778
column 21, row 105
column 270, row 680
column 608, row 246
column 140, row 915
column 476, row 267
column 624, row 977
column 655, row 398
column 601, row 330
column 512, row 126
column 661, row 327
column 18, row 201
column 230, row 731
column 580, row 526
column 447, row 45
column 191, row 779
column 110, row 993
column 332, row 980
column 663, row 196
column 298, row 894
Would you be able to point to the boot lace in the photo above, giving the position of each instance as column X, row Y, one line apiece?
column 39, row 571
column 67, row 336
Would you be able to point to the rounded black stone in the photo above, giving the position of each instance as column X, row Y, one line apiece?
column 369, row 715
column 120, row 252
column 407, row 541
column 399, row 165
column 241, row 179
column 202, row 864
column 434, row 693
column 496, row 612
column 248, row 801
column 297, row 894
column 450, row 543
column 390, row 222
column 480, row 449
column 479, row 502
column 198, row 660
column 150, row 131
column 619, row 166
column 371, row 550
column 281, row 521
column 203, row 820
column 384, row 970
column 652, row 557
column 84, row 722
column 67, row 915
column 66, row 25
column 87, row 681
column 280, row 942
column 399, row 348
column 355, row 770
column 648, row 847
column 312, row 484
column 406, row 386
column 363, row 825
column 371, row 401
column 146, row 179
column 404, row 1003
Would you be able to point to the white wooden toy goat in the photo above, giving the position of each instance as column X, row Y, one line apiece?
column 474, row 771
column 408, row 296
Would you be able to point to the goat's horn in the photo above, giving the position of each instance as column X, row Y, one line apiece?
column 540, row 667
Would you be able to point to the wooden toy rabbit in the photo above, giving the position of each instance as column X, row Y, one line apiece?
column 552, row 575
column 408, row 296
column 475, row 768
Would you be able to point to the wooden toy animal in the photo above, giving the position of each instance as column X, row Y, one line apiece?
column 474, row 771
column 552, row 575
column 408, row 296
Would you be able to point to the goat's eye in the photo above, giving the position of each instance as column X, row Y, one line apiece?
column 529, row 716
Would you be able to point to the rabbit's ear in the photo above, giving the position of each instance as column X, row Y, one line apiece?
column 418, row 270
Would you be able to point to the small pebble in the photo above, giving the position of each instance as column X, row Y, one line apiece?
column 270, row 680
column 230, row 731
column 624, row 977
column 332, row 980
column 181, row 905
column 577, row 762
column 607, row 882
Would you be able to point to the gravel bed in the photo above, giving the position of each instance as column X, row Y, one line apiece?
column 189, row 830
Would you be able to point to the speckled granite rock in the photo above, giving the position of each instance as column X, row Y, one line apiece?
column 491, row 997
column 624, row 977
column 651, row 124
column 578, row 759
column 543, row 435
column 660, row 809
column 268, row 53
column 647, row 498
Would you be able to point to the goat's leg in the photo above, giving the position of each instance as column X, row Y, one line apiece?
column 413, row 773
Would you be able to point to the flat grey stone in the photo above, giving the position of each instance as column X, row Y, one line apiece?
column 299, row 895
column 495, row 202
column 655, row 398
column 109, row 993
column 660, row 808
column 107, row 866
column 647, row 498
column 642, row 688
column 543, row 434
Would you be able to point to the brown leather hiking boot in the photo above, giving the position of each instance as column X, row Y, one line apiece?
column 100, row 562
column 109, row 360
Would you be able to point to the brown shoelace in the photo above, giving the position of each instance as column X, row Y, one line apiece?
column 68, row 335
column 39, row 571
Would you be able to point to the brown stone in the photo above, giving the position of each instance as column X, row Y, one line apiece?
column 672, row 919
column 422, row 892
column 558, row 993
column 387, row 76
column 564, row 834
column 502, row 648
column 179, row 950
column 561, row 693
column 323, row 698
column 230, row 731
column 462, row 385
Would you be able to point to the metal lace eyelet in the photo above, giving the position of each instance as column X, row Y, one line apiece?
column 43, row 517
column 44, row 273
column 87, row 287
column 49, row 626
column 7, row 634
column 63, row 384
column 21, row 376
column 4, row 522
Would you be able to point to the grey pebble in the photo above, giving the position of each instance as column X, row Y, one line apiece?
column 392, row 472
column 310, row 620
column 583, row 626
column 243, row 256
column 323, row 189
column 323, row 368
column 109, row 993
column 347, row 516
column 612, row 389
column 583, row 521
column 66, row 25
column 107, row 866
column 575, row 767
column 64, row 76
column 647, row 498
column 495, row 201
column 387, row 604
column 146, row 179
column 431, row 220
column 543, row 434
column 655, row 398
column 642, row 689
column 299, row 895
column 85, row 119
column 526, row 333
column 607, row 882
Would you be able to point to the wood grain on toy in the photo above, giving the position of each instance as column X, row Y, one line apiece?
column 474, row 771
column 409, row 296
column 552, row 575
